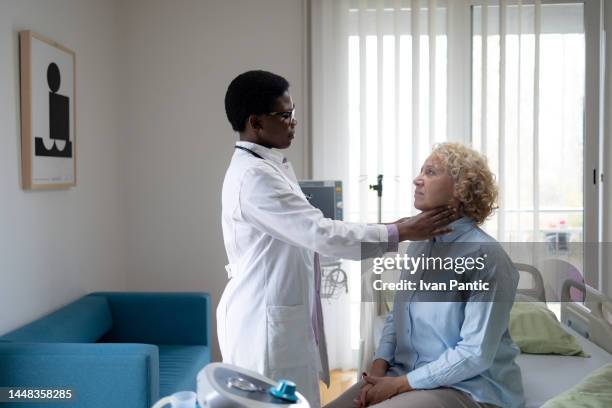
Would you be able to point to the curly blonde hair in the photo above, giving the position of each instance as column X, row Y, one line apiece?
column 475, row 185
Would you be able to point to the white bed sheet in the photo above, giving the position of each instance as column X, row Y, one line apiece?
column 545, row 376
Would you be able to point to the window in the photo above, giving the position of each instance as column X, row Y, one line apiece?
column 527, row 116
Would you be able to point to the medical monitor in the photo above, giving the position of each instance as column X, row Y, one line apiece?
column 326, row 195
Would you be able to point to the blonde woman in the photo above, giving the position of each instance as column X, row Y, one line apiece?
column 438, row 353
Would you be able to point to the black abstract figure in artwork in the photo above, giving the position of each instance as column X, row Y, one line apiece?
column 59, row 118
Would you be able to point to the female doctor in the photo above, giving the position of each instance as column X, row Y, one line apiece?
column 269, row 317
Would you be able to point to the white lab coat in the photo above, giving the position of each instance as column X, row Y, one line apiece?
column 271, row 232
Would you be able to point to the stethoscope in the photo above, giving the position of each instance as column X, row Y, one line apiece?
column 308, row 196
column 249, row 151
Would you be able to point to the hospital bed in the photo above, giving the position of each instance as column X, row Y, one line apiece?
column 546, row 376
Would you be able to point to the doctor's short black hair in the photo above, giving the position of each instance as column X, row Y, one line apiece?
column 252, row 93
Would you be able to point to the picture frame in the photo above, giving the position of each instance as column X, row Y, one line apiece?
column 48, row 113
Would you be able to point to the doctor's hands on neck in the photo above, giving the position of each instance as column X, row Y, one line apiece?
column 427, row 224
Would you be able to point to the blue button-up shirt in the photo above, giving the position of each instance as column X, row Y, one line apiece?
column 465, row 344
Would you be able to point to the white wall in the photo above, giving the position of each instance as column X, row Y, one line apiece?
column 177, row 59
column 153, row 144
column 58, row 245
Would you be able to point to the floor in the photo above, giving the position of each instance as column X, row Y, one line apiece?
column 339, row 382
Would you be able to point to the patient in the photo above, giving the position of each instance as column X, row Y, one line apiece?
column 449, row 353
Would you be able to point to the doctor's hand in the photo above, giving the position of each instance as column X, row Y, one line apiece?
column 427, row 224
column 384, row 388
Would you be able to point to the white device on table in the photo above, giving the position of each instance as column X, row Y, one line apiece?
column 223, row 385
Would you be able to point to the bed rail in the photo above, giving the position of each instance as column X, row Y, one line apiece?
column 591, row 319
column 536, row 290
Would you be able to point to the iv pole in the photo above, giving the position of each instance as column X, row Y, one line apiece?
column 378, row 187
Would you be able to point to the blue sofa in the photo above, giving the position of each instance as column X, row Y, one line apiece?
column 112, row 349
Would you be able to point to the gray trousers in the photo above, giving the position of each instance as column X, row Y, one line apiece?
column 438, row 398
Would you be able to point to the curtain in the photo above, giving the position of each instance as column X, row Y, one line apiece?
column 380, row 101
column 527, row 114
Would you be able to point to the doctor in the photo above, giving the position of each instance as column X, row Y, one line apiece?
column 269, row 316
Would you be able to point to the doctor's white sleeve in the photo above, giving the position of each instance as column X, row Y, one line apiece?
column 268, row 202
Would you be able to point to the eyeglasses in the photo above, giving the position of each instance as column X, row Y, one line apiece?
column 285, row 115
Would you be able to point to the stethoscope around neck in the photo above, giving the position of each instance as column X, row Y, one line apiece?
column 248, row 151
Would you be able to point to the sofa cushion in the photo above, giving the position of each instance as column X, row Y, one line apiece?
column 83, row 321
column 159, row 318
column 179, row 367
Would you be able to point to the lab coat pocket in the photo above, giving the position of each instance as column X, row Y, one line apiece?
column 289, row 341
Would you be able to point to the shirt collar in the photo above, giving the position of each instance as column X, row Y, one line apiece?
column 460, row 227
column 265, row 152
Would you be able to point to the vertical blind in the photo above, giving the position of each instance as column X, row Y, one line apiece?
column 395, row 108
column 527, row 113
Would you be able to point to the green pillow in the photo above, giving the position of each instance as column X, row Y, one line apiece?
column 536, row 330
column 592, row 392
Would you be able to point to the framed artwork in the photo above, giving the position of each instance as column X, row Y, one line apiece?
column 48, row 113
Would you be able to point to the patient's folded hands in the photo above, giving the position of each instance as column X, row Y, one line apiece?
column 363, row 395
column 378, row 368
column 377, row 389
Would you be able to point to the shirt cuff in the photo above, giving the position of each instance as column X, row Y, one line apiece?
column 393, row 238
column 420, row 379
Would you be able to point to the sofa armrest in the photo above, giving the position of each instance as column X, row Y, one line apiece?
column 159, row 318
column 99, row 375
